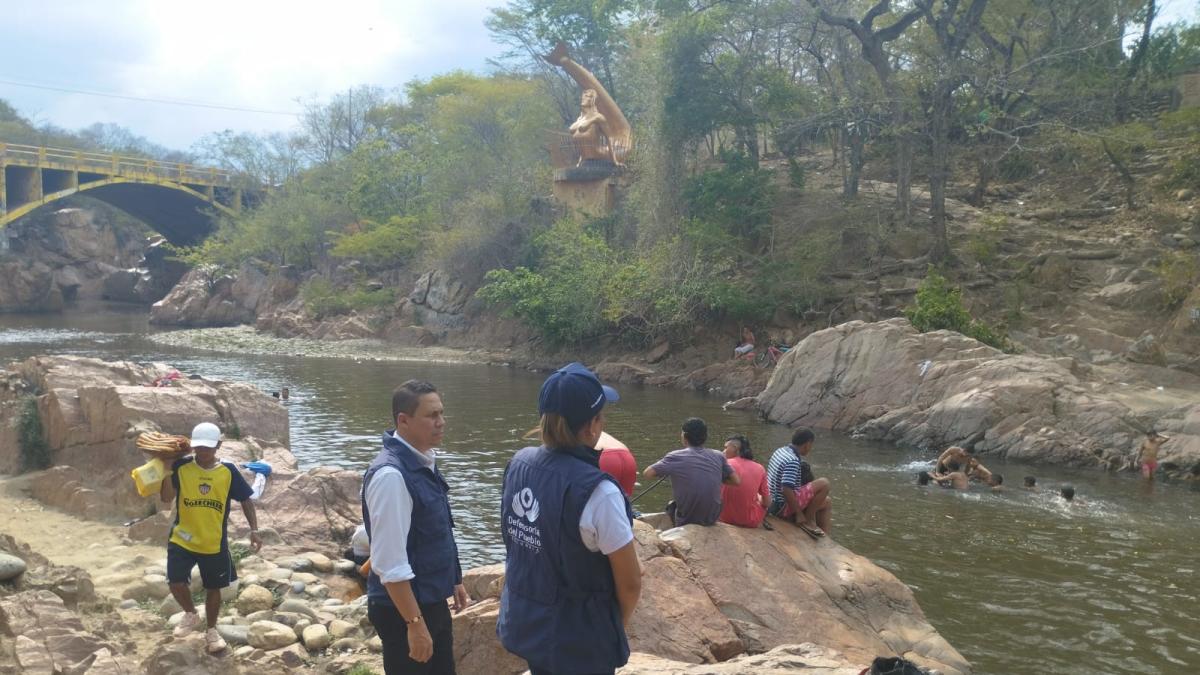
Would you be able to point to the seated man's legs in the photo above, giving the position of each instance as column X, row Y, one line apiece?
column 824, row 515
column 820, row 495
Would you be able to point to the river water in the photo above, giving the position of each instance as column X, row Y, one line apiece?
column 1018, row 581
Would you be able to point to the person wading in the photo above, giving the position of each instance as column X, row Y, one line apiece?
column 414, row 558
column 571, row 574
column 203, row 488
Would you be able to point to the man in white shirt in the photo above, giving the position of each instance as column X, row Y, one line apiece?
column 414, row 558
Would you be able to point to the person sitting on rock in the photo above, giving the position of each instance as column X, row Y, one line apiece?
column 203, row 488
column 696, row 474
column 797, row 496
column 746, row 344
column 1148, row 453
column 744, row 505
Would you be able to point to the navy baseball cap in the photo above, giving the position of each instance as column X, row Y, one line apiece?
column 575, row 392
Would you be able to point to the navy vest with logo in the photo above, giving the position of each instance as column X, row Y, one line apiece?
column 432, row 552
column 558, row 609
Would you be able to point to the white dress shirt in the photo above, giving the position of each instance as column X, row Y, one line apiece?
column 391, row 508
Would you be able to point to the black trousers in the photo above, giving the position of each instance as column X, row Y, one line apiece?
column 539, row 671
column 393, row 631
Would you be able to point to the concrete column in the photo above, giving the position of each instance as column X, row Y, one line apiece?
column 3, row 186
column 237, row 200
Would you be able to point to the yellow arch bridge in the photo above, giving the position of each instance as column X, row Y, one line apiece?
column 178, row 200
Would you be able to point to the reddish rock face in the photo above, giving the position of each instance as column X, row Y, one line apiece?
column 91, row 411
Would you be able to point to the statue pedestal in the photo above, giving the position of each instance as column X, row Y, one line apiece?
column 589, row 189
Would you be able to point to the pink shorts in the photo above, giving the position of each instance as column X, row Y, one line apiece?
column 1149, row 467
column 803, row 495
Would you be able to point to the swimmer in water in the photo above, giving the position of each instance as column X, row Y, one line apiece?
column 952, row 455
column 954, row 479
column 1030, row 484
column 1148, row 453
column 1068, row 495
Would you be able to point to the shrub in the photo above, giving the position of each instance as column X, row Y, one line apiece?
column 563, row 299
column 323, row 299
column 380, row 244
column 35, row 453
column 738, row 197
column 1179, row 272
column 939, row 306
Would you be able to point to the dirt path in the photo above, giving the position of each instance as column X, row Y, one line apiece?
column 99, row 548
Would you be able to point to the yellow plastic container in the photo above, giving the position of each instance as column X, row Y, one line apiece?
column 149, row 477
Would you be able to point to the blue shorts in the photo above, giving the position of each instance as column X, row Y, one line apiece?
column 216, row 570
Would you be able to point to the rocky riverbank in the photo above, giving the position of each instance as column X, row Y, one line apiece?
column 82, row 254
column 90, row 597
column 885, row 381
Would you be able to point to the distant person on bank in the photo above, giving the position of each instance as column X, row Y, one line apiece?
column 696, row 474
column 571, row 573
column 796, row 495
column 745, row 344
column 414, row 558
column 1148, row 453
column 744, row 504
column 203, row 488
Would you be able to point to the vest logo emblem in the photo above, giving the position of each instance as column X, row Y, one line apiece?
column 204, row 488
column 525, row 506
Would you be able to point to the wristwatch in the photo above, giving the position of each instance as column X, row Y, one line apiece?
column 413, row 621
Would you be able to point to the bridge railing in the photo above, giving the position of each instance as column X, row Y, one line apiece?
column 113, row 164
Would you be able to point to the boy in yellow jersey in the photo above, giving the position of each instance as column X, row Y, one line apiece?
column 203, row 488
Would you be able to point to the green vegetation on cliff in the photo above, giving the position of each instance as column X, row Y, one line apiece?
column 778, row 146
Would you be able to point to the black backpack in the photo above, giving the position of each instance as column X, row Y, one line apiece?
column 893, row 665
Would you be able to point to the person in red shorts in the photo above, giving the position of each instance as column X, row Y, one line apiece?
column 617, row 461
column 797, row 496
column 744, row 505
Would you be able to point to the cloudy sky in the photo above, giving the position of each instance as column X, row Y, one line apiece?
column 255, row 54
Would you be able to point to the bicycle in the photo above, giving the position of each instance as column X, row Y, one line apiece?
column 771, row 356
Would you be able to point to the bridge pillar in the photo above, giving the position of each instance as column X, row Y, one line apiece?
column 25, row 185
column 3, row 185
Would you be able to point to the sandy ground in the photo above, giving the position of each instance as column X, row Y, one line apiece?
column 99, row 548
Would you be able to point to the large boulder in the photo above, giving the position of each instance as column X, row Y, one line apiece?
column 705, row 601
column 28, row 287
column 65, row 255
column 203, row 297
column 91, row 411
column 886, row 381
column 319, row 506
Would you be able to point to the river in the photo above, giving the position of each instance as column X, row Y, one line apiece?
column 1018, row 581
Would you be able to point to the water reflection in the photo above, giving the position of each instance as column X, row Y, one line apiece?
column 1019, row 581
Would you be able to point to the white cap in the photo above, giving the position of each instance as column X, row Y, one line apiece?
column 206, row 435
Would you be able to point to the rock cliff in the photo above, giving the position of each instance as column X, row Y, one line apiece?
column 71, row 254
column 888, row 382
column 90, row 411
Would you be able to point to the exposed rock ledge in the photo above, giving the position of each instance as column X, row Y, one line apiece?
column 728, row 594
column 888, row 382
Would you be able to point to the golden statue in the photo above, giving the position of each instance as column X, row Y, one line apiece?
column 601, row 132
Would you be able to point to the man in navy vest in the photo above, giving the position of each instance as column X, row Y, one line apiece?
column 572, row 577
column 414, row 559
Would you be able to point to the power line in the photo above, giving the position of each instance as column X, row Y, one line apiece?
column 193, row 104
